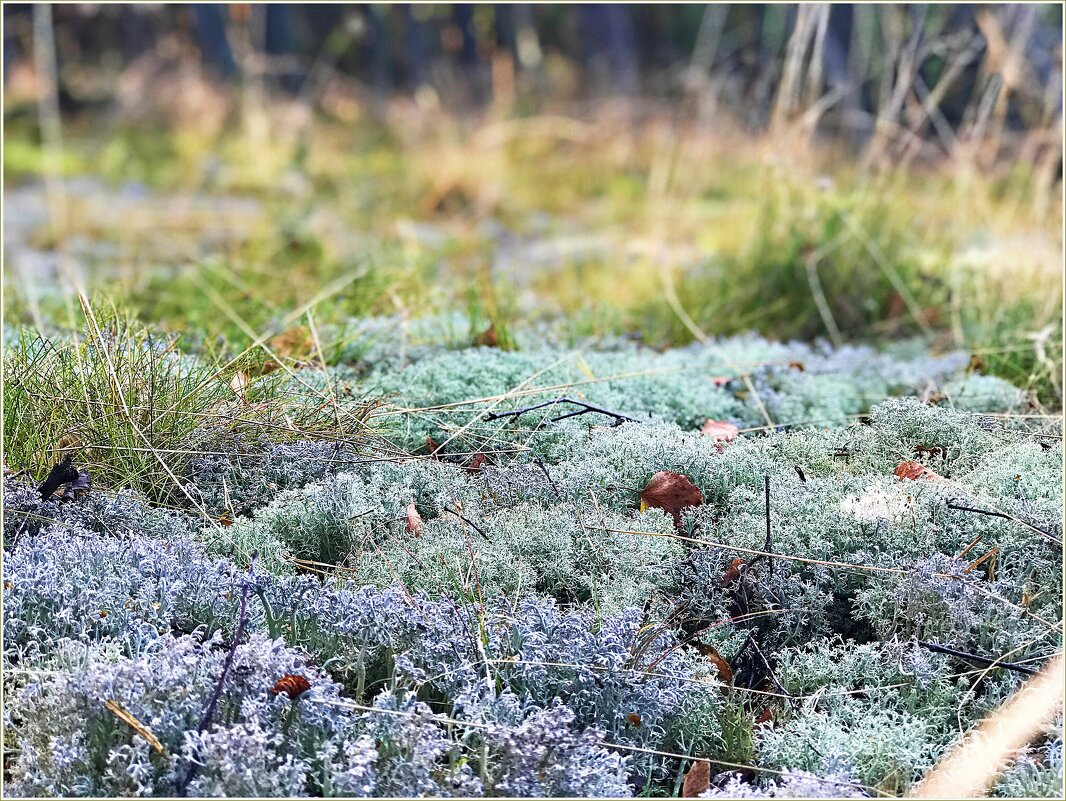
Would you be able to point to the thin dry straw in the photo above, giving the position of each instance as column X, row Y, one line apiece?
column 972, row 767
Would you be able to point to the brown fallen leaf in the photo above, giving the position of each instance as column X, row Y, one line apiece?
column 487, row 338
column 732, row 573
column 294, row 343
column 477, row 462
column 635, row 719
column 725, row 671
column 432, row 446
column 670, row 492
column 720, row 430
column 912, row 471
column 292, row 685
column 413, row 520
column 764, row 717
column 697, row 780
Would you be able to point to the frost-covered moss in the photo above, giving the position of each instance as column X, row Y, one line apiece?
column 983, row 393
column 531, row 599
column 563, row 552
column 452, row 394
column 334, row 520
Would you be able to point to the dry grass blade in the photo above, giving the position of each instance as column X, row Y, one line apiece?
column 971, row 768
column 136, row 725
column 112, row 376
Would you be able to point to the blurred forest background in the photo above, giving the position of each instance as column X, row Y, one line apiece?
column 844, row 171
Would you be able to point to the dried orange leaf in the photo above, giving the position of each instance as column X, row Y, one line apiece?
column 670, row 492
column 913, row 471
column 487, row 338
column 697, row 780
column 477, row 462
column 716, row 659
column 294, row 343
column 720, row 430
column 732, row 573
column 413, row 520
column 292, row 685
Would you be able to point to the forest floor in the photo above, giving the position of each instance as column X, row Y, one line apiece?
column 532, row 457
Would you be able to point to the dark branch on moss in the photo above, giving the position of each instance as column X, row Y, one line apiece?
column 586, row 408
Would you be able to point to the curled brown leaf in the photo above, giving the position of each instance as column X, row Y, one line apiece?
column 912, row 471
column 670, row 492
column 413, row 520
column 697, row 780
column 720, row 430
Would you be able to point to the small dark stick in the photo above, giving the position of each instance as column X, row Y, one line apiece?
column 987, row 513
column 982, row 660
column 769, row 543
column 773, row 676
column 212, row 705
column 799, row 471
column 544, row 469
column 470, row 523
column 586, row 408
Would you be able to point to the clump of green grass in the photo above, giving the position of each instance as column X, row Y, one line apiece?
column 136, row 409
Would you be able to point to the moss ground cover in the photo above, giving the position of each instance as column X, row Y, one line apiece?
column 403, row 454
column 481, row 604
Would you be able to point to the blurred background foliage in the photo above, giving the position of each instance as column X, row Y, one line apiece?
column 845, row 171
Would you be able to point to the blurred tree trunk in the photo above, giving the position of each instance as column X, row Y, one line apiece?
column 609, row 47
column 415, row 48
column 215, row 48
column 474, row 89
column 280, row 41
column 380, row 75
column 136, row 34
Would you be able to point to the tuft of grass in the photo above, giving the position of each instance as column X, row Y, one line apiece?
column 136, row 410
column 490, row 312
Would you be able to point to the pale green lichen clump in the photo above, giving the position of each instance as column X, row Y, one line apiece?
column 518, row 624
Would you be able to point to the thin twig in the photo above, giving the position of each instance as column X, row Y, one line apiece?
column 1005, row 516
column 586, row 408
column 544, row 469
column 212, row 705
column 470, row 523
column 773, row 676
column 769, row 541
column 983, row 660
